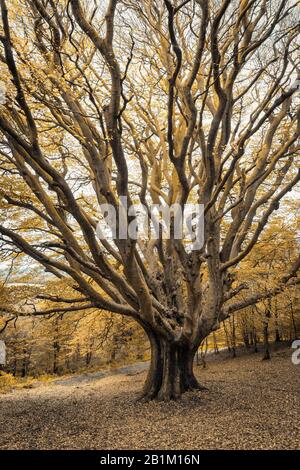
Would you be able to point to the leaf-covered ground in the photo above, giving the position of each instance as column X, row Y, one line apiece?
column 250, row 404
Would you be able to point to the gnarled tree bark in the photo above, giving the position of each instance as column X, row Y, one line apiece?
column 171, row 369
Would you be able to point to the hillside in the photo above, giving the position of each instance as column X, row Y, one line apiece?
column 250, row 404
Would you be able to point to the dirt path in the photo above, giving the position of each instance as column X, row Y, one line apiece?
column 250, row 404
column 131, row 369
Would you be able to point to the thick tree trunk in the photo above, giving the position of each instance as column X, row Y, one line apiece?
column 171, row 370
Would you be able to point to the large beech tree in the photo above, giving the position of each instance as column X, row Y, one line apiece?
column 156, row 100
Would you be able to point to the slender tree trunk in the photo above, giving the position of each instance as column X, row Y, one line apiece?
column 88, row 358
column 25, row 363
column 215, row 343
column 251, row 341
column 293, row 321
column 227, row 337
column 267, row 355
column 203, row 353
column 14, row 366
column 171, row 370
column 255, row 340
column 245, row 332
column 233, row 337
column 56, row 349
column 246, row 340
column 277, row 328
column 277, row 336
column 24, row 368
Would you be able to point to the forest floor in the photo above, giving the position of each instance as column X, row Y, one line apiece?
column 249, row 404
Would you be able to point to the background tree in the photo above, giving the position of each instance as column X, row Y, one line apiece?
column 56, row 344
column 192, row 101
